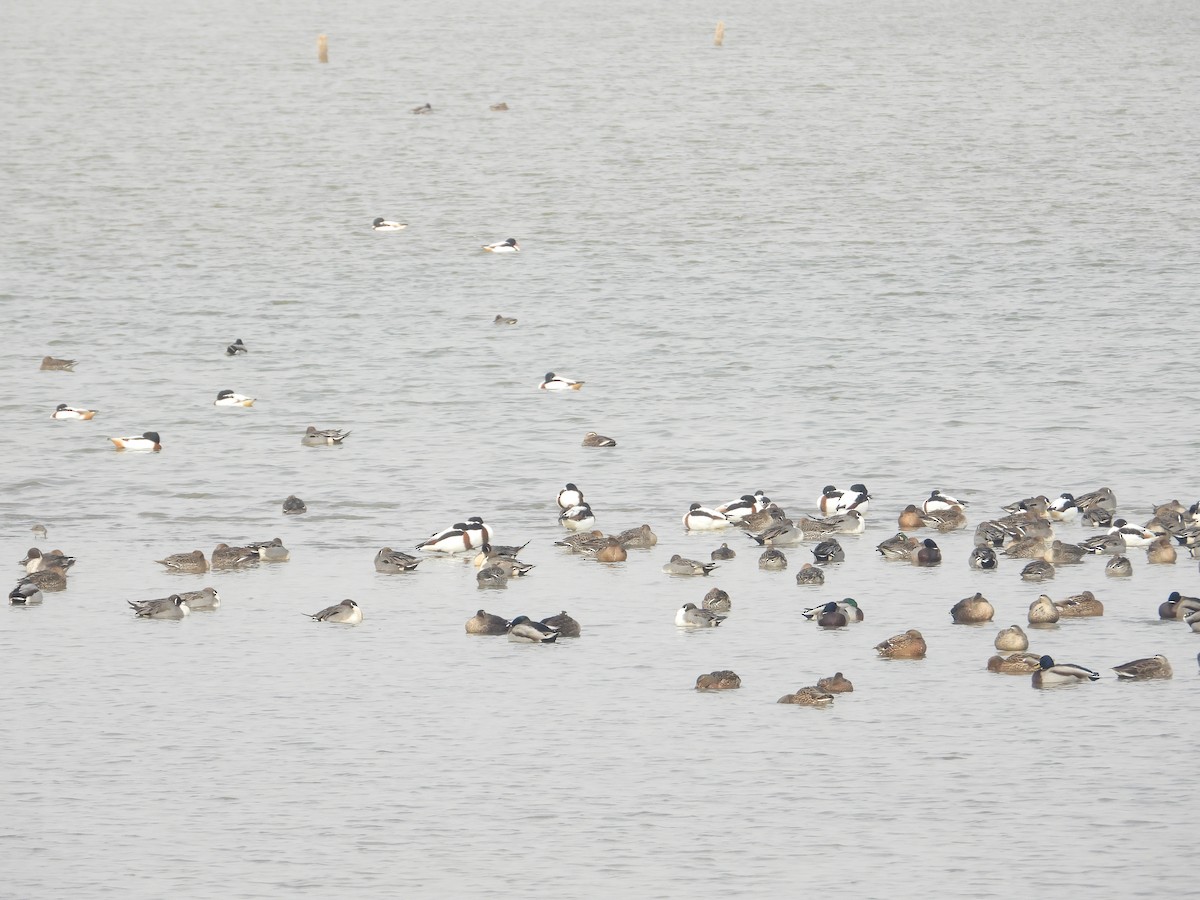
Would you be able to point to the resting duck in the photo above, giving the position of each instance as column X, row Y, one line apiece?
column 808, row 696
column 578, row 518
column 939, row 502
column 1012, row 638
column 591, row 439
column 1016, row 664
column 1051, row 673
column 563, row 624
column 679, row 565
column 722, row 680
column 173, row 607
column 569, row 496
column 523, row 630
column 909, row 645
column 382, row 224
column 229, row 398
column 344, row 613
column 314, row 437
column 149, row 440
column 701, row 518
column 62, row 411
column 486, row 623
column 973, row 609
column 508, row 245
column 1153, row 667
column 554, row 382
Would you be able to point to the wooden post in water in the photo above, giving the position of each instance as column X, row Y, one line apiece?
column 719, row 34
column 322, row 48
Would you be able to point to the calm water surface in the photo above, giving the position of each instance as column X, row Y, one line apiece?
column 918, row 245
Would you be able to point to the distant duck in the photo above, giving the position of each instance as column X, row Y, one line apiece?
column 972, row 610
column 1152, row 667
column 393, row 562
column 206, row 599
column 62, row 411
column 722, row 680
column 422, row 110
column 1060, row 553
column 499, row 107
column 717, row 600
column 722, row 553
column 229, row 398
column 235, row 348
column 939, row 502
column 49, row 363
column 837, row 683
column 504, row 320
column 450, row 540
column 193, row 562
column 1016, row 664
column 344, row 613
column 382, row 224
column 554, row 382
column 523, row 630
column 578, row 518
column 1052, row 673
column 26, row 593
column 1037, row 570
column 1177, row 606
column 1118, row 567
column 314, row 437
column 810, row 574
column 911, row 518
column 898, row 547
column 773, row 560
column 1042, row 611
column 563, row 624
column 910, row 645
column 1012, row 638
column 701, row 518
column 173, row 607
column 486, row 623
column 147, row 441
column 294, row 506
column 569, row 496
column 679, row 565
column 928, row 554
column 591, row 439
column 1063, row 508
column 612, row 552
column 640, row 538
column 691, row 616
column 829, row 551
column 1080, row 606
column 807, row 696
column 1161, row 551
column 1134, row 535
column 39, row 530
column 509, row 245
column 984, row 558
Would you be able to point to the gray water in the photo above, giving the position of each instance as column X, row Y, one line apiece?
column 918, row 245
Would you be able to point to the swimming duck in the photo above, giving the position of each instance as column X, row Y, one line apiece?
column 1160, row 551
column 235, row 348
column 569, row 496
column 563, row 624
column 1104, row 544
column 946, row 520
column 1152, row 667
column 185, row 562
column 1052, row 673
column 972, row 609
column 344, row 613
column 1012, row 638
column 721, row 680
column 492, row 576
column 504, row 320
column 1063, row 508
column 1037, row 570
column 701, row 518
column 1118, row 567
column 984, row 558
column 691, row 616
column 173, row 607
column 391, row 562
column 1134, row 535
column 1060, row 554
column 554, row 382
column 898, row 547
column 523, row 630
column 591, row 439
column 229, row 398
column 313, row 437
column 50, row 579
column 808, row 696
column 1080, row 606
column 26, row 593
column 1177, row 606
column 509, row 245
column 449, row 540
column 911, row 518
column 1016, row 664
column 939, row 502
column 640, row 538
column 206, row 599
column 486, row 623
column 721, row 553
column 382, row 224
column 829, row 551
column 294, row 506
column 612, row 552
column 773, row 560
column 810, row 574
column 928, row 554
column 1042, row 611
column 1101, row 499
column 909, row 645
column 681, row 566
column 577, row 518
column 62, row 411
column 226, row 557
column 717, row 600
column 837, row 683
column 149, row 440
column 62, row 365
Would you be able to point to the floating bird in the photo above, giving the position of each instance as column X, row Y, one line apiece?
column 640, row 538
column 832, row 617
column 780, row 534
column 62, row 411
column 1012, row 638
column 186, row 562
column 1060, row 554
column 1043, row 611
column 612, row 552
column 946, row 520
column 578, row 518
column 722, row 553
column 717, row 600
column 422, row 110
column 1177, row 606
column 51, row 579
column 721, row 680
column 1160, row 551
column 382, row 224
column 392, row 562
column 226, row 557
column 1153, row 667
column 294, row 506
column 486, row 623
column 1102, row 499
column 569, row 496
column 849, row 522
column 911, row 518
column 1037, row 570
column 928, row 554
column 509, row 245
column 939, row 502
column 206, row 599
column 898, row 547
column 499, row 107
column 554, row 382
column 678, row 565
column 26, row 593
column 591, row 439
column 1063, row 508
column 1080, row 606
column 1052, row 673
column 773, row 560
column 701, row 518
column 1104, row 544
column 691, row 616
column 229, row 398
column 1118, row 567
column 973, row 609
column 173, row 607
column 1017, row 664
column 492, row 576
column 344, row 613
column 504, row 320
column 62, row 365
column 148, row 441
column 35, row 560
column 810, row 574
column 523, row 630
column 829, row 551
column 563, row 624
column 909, row 645
column 235, row 348
column 450, row 540
column 984, row 558
column 837, row 683
column 313, row 437
column 1026, row 548
column 807, row 696
column 1036, row 506
column 1134, row 535
column 738, row 510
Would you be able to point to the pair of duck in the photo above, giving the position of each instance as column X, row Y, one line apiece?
column 522, row 629
column 177, row 606
column 508, row 245
column 459, row 538
column 1050, row 673
column 835, row 614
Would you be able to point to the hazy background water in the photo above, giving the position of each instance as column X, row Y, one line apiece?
column 918, row 245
